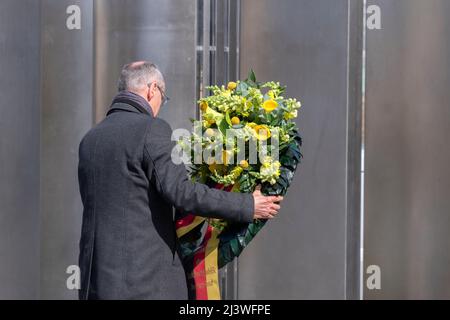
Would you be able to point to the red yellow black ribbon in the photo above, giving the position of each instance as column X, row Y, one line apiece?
column 205, row 271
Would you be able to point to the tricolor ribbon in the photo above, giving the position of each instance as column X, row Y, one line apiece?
column 203, row 263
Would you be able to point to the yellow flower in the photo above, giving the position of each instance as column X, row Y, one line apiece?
column 212, row 116
column 209, row 132
column 235, row 120
column 203, row 106
column 231, row 85
column 243, row 164
column 226, row 93
column 212, row 167
column 236, row 172
column 262, row 132
column 251, row 124
column 270, row 105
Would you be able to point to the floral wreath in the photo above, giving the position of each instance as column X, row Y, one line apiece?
column 256, row 111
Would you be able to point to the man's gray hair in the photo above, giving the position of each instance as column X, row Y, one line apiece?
column 136, row 76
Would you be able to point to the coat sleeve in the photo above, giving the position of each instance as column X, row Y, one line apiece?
column 176, row 188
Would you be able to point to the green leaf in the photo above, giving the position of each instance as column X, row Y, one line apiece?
column 223, row 126
column 252, row 76
column 235, row 247
column 283, row 181
column 242, row 88
column 227, row 118
column 262, row 117
column 288, row 162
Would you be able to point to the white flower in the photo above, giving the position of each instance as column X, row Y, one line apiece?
column 270, row 170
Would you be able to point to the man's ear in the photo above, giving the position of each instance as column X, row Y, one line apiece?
column 150, row 92
column 149, row 97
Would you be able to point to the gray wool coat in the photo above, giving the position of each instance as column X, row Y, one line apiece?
column 129, row 186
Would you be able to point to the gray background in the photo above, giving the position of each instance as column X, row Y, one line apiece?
column 19, row 149
column 66, row 114
column 304, row 45
column 407, row 203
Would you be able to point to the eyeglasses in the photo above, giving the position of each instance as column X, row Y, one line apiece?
column 165, row 98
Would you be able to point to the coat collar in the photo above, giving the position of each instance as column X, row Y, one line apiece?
column 127, row 105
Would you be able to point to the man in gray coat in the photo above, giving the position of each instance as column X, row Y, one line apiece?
column 129, row 186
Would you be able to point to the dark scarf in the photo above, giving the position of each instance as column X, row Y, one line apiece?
column 133, row 99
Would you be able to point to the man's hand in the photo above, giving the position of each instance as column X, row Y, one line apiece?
column 265, row 207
